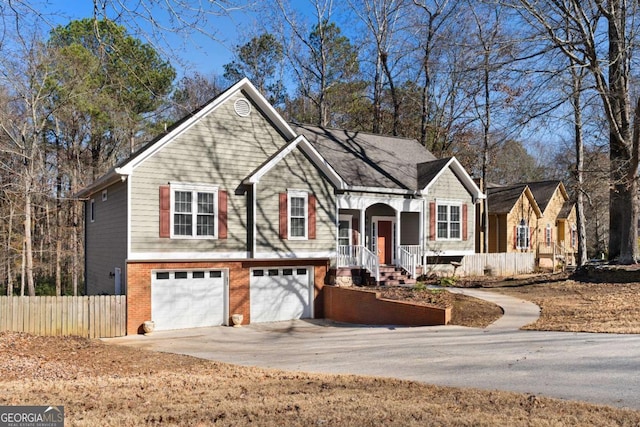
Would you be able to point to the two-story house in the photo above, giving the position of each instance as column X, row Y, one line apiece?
column 234, row 210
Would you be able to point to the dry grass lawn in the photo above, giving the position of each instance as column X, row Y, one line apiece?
column 109, row 385
column 583, row 307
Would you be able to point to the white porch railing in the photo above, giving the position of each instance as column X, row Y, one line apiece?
column 349, row 256
column 414, row 250
column 359, row 256
column 407, row 261
column 371, row 263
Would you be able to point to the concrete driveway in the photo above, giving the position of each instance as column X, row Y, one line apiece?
column 599, row 368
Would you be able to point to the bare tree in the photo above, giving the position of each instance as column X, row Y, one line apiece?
column 614, row 23
column 383, row 20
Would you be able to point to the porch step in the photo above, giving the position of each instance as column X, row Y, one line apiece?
column 393, row 276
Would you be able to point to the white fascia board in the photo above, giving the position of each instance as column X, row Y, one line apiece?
column 243, row 84
column 307, row 148
column 182, row 256
column 382, row 190
column 295, row 255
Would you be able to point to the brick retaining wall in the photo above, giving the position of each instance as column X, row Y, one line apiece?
column 366, row 307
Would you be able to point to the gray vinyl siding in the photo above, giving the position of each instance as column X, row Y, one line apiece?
column 295, row 172
column 448, row 188
column 106, row 240
column 221, row 149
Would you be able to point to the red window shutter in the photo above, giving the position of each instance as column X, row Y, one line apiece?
column 515, row 237
column 432, row 220
column 165, row 211
column 222, row 214
column 283, row 215
column 464, row 223
column 311, row 211
column 355, row 231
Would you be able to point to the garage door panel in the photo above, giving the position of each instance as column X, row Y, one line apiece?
column 188, row 301
column 281, row 296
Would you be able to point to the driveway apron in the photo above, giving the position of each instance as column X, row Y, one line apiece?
column 598, row 368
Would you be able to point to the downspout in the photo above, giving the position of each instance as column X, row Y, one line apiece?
column 424, row 233
column 254, row 205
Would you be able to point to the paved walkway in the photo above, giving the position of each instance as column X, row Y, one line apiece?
column 599, row 368
column 517, row 312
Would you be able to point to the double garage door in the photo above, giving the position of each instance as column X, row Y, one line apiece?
column 192, row 299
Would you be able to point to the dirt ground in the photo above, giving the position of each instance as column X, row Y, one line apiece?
column 109, row 385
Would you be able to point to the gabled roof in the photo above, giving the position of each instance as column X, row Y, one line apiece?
column 503, row 198
column 429, row 172
column 564, row 213
column 308, row 149
column 543, row 192
column 367, row 161
column 126, row 167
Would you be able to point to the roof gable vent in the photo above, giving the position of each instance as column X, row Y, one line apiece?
column 242, row 107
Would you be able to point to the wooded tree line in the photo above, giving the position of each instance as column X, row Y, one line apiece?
column 516, row 90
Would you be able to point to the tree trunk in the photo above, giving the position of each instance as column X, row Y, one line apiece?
column 623, row 146
column 28, row 245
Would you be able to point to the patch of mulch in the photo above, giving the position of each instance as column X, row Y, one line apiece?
column 465, row 310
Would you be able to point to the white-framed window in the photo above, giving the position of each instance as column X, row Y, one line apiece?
column 104, row 195
column 92, row 210
column 297, row 214
column 344, row 230
column 449, row 221
column 522, row 235
column 548, row 235
column 574, row 236
column 194, row 211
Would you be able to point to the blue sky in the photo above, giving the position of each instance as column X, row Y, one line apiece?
column 188, row 51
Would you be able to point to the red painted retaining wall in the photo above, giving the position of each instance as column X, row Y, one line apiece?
column 366, row 307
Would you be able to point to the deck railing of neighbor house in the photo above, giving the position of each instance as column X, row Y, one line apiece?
column 407, row 261
column 554, row 251
column 102, row 316
column 414, row 250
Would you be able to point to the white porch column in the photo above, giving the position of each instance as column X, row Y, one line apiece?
column 363, row 237
column 395, row 250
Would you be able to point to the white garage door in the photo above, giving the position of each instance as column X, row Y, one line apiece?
column 188, row 299
column 281, row 293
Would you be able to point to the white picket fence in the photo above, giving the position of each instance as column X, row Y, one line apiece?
column 500, row 264
column 102, row 316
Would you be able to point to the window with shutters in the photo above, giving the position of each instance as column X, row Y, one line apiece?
column 449, row 221
column 297, row 214
column 522, row 235
column 194, row 211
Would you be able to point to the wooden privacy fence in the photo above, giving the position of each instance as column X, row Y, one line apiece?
column 99, row 316
column 500, row 264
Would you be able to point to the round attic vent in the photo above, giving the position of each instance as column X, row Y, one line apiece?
column 242, row 107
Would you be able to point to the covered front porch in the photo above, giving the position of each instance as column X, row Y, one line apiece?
column 375, row 233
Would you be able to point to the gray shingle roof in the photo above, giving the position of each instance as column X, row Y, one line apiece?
column 368, row 160
column 501, row 199
column 543, row 192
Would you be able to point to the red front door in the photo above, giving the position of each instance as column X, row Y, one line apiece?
column 384, row 241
